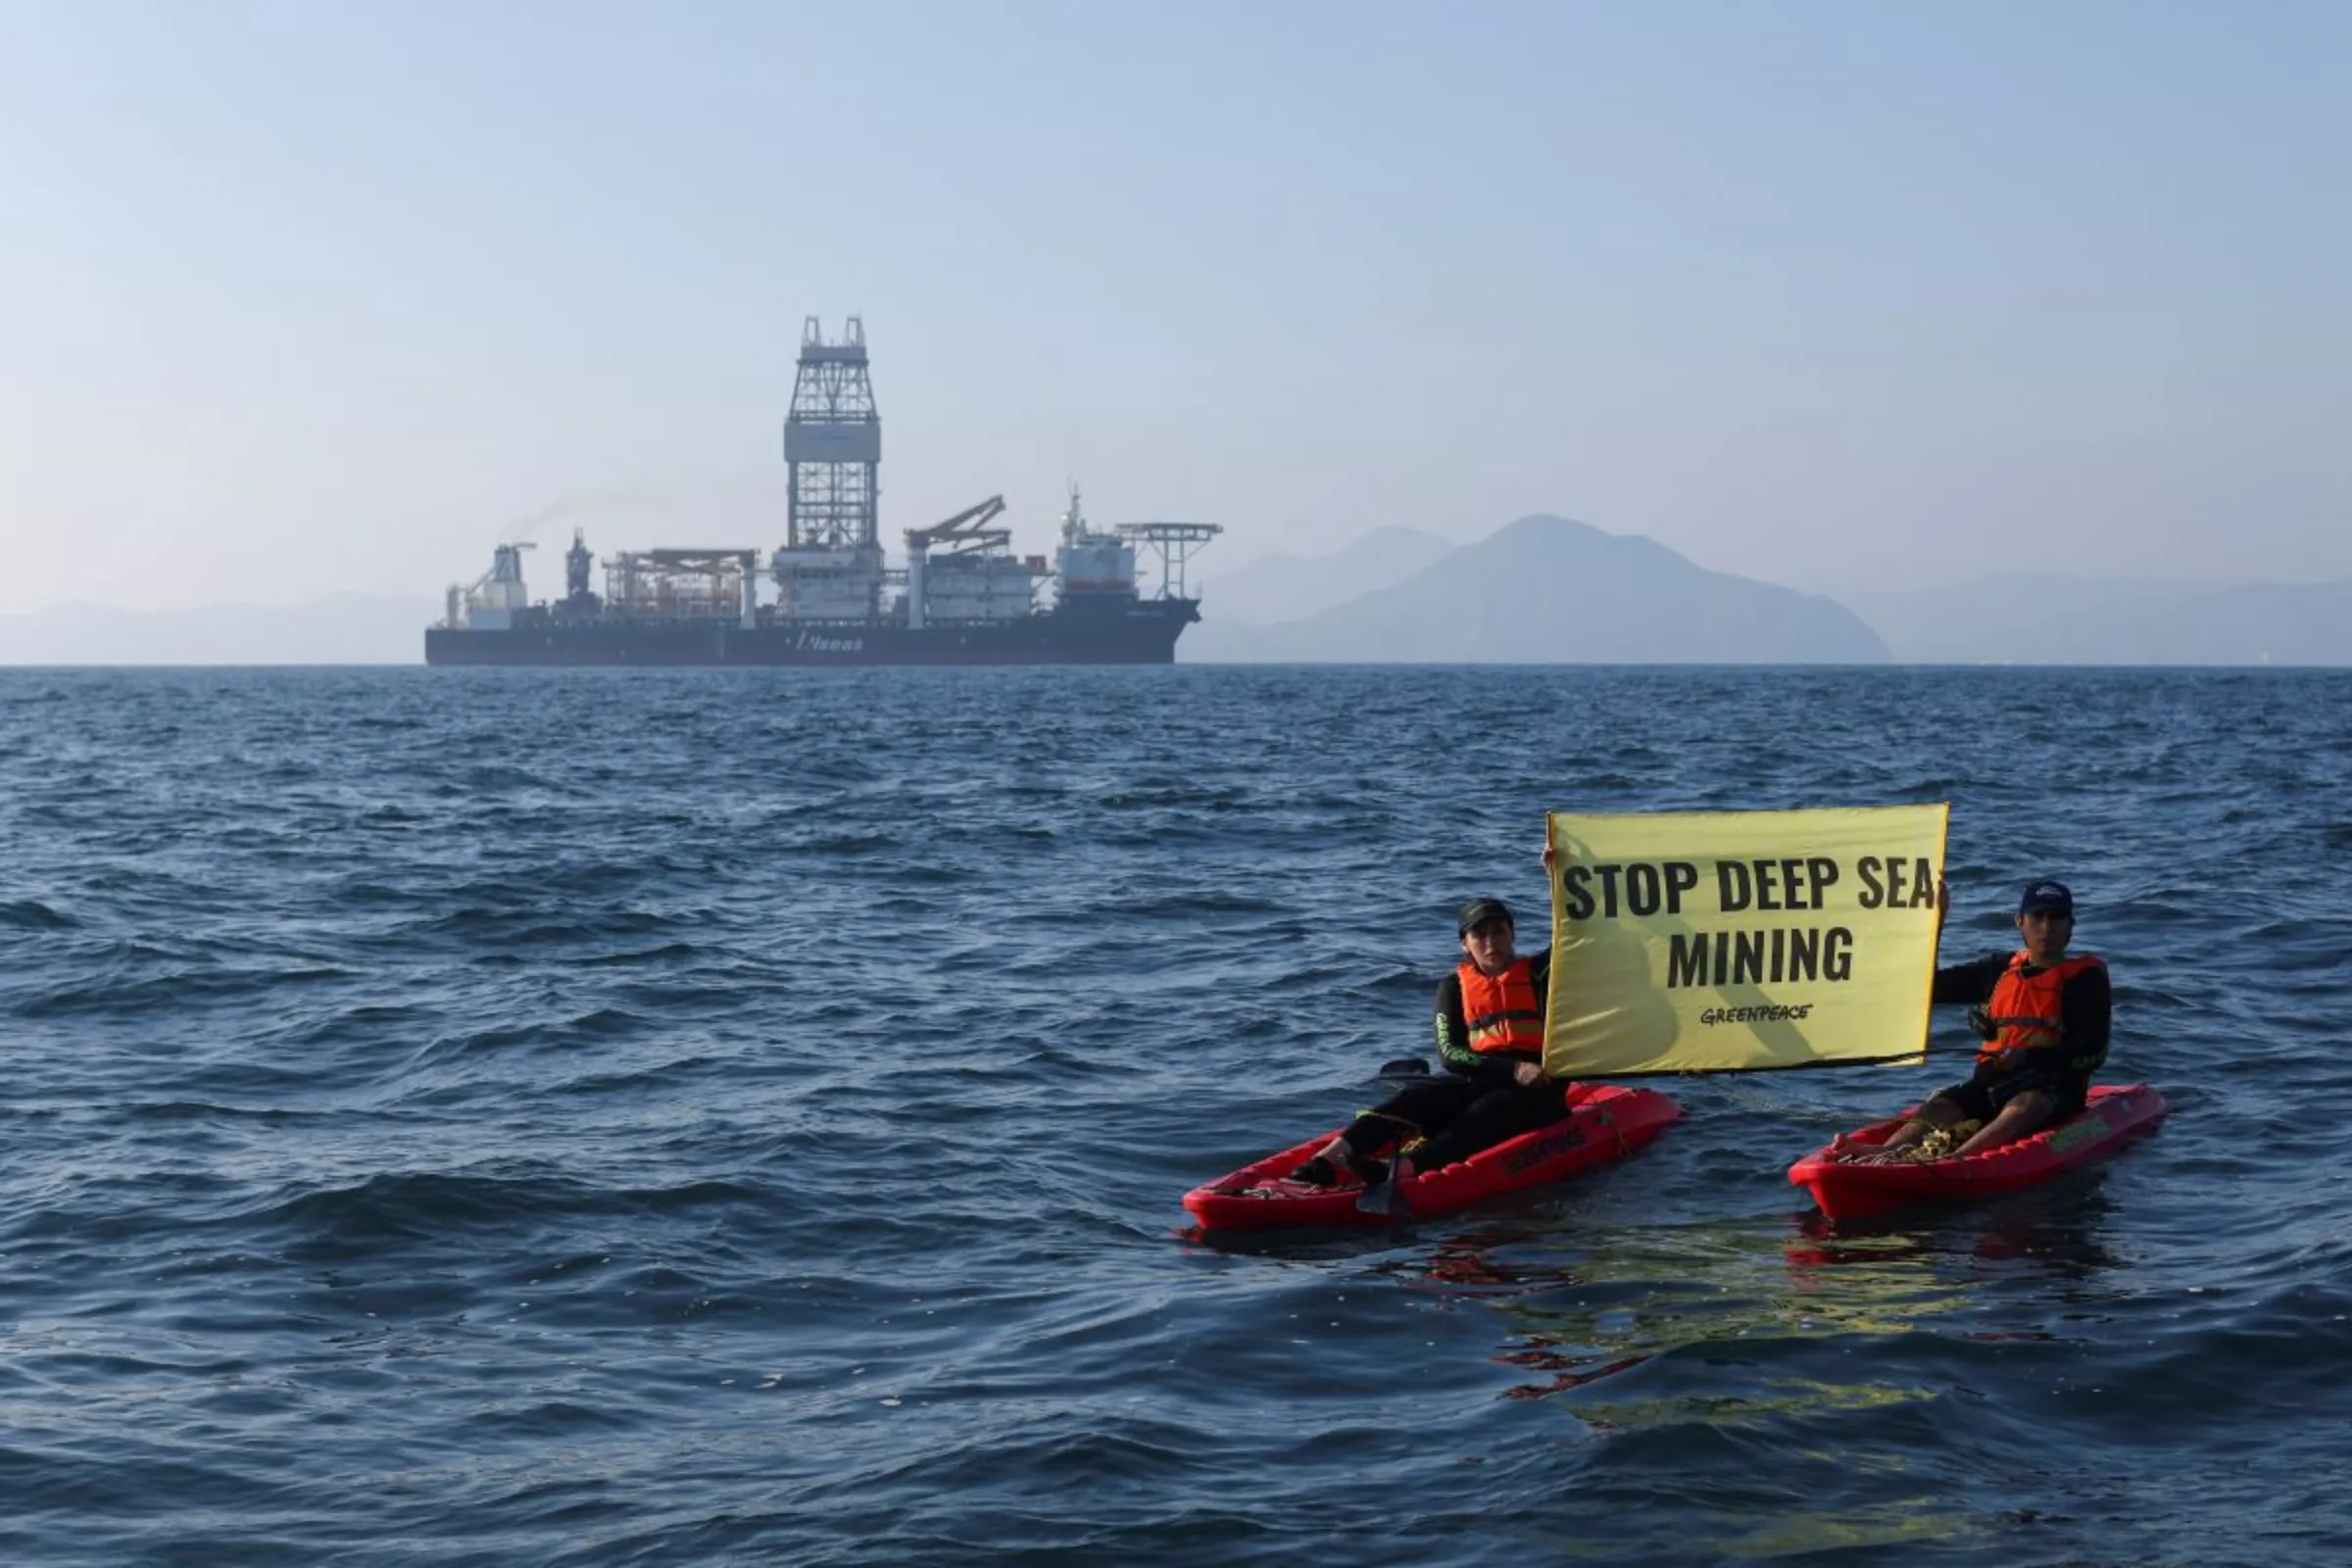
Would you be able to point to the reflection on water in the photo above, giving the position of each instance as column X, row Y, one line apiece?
column 1582, row 1307
column 1569, row 1369
column 1806, row 1535
column 1683, row 1354
column 2042, row 1232
column 1479, row 1260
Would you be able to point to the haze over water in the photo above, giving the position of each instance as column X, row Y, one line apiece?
column 627, row 1118
column 301, row 301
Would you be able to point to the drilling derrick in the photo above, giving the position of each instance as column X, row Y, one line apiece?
column 833, row 442
column 830, row 568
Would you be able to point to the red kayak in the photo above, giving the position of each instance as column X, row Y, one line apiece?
column 1607, row 1123
column 2116, row 1116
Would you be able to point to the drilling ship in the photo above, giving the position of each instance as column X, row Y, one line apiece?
column 961, row 597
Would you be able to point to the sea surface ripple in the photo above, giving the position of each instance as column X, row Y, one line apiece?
column 493, row 1117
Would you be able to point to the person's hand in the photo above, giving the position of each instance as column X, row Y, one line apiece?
column 1550, row 855
column 1528, row 1074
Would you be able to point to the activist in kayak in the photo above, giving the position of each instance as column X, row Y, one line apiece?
column 2045, row 1017
column 1489, row 1027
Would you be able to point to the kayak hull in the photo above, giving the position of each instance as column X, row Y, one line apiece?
column 2116, row 1115
column 1606, row 1122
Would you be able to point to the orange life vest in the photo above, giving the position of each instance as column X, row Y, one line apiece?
column 1503, row 1010
column 2025, row 1008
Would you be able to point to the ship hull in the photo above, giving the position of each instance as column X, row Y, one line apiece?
column 1132, row 632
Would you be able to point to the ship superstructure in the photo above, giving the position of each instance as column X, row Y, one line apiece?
column 964, row 597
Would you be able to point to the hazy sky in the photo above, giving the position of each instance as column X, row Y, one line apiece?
column 308, row 297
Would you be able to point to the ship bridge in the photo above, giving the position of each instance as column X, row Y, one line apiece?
column 1090, row 563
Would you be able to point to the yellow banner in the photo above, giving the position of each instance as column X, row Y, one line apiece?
column 1734, row 941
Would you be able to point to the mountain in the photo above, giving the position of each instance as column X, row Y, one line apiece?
column 1283, row 587
column 343, row 629
column 1547, row 590
column 2057, row 620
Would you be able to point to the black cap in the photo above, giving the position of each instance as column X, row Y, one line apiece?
column 2046, row 896
column 1478, row 912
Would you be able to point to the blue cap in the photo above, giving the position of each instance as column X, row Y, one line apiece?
column 2046, row 898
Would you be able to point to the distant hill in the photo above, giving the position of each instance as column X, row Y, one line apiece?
column 1284, row 587
column 2046, row 620
column 343, row 629
column 1548, row 590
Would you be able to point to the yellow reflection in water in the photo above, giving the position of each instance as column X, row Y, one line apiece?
column 1585, row 1306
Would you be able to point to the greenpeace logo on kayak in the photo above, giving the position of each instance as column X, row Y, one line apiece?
column 1549, row 1146
column 1769, row 1013
column 2089, row 1130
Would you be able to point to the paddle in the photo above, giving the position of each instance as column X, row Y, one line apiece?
column 1385, row 1197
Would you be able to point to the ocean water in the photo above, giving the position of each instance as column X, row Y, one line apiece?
column 496, row 1117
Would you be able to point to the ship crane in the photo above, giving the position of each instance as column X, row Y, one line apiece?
column 983, row 552
column 968, row 529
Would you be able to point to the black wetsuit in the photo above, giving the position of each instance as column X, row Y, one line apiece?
column 1475, row 1104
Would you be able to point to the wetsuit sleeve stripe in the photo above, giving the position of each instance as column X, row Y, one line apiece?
column 1453, row 1039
